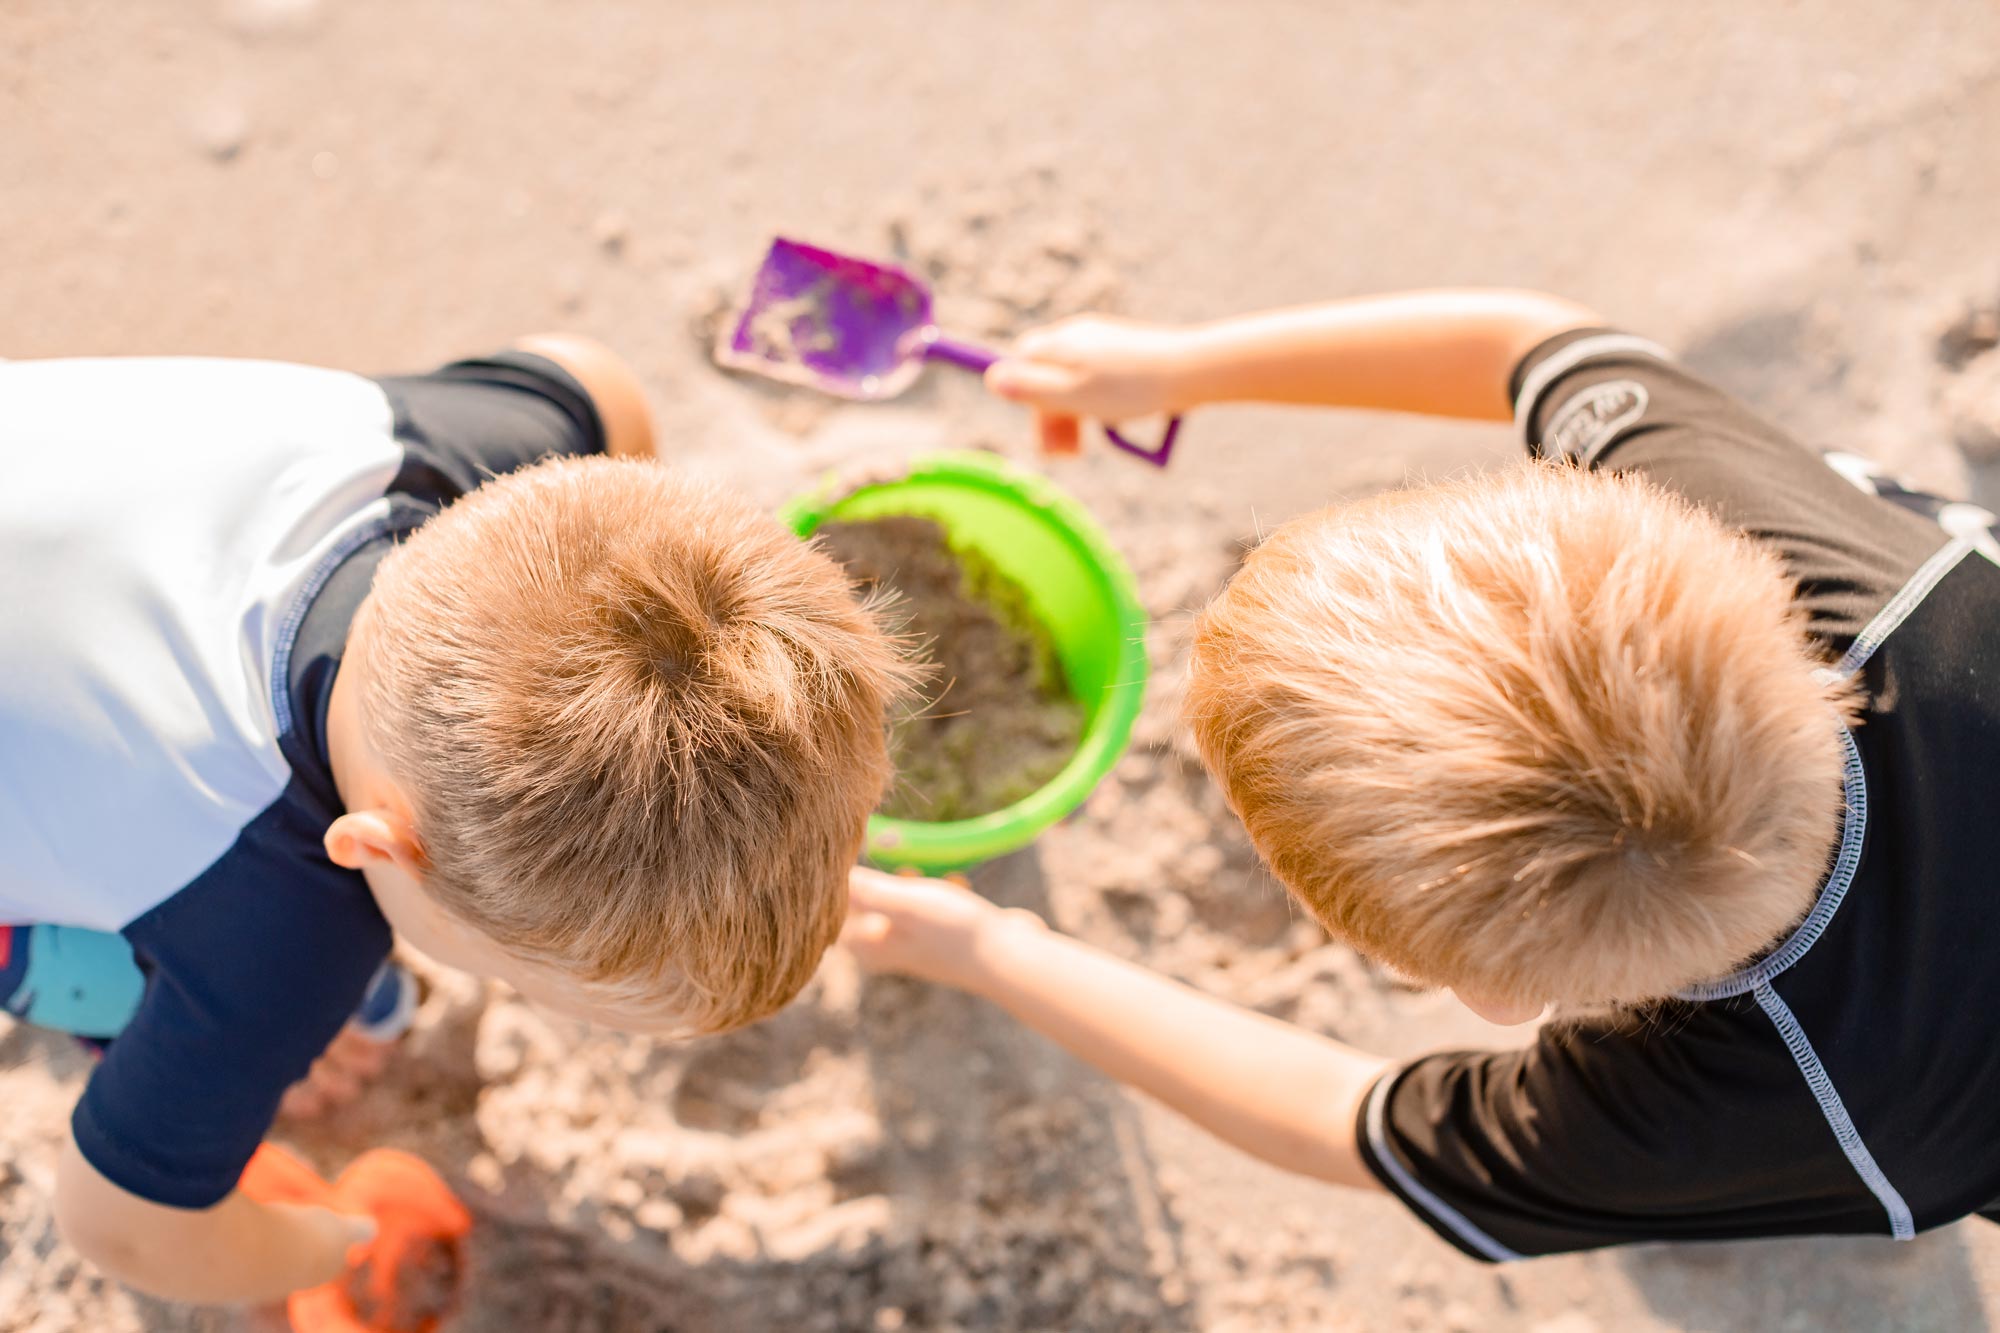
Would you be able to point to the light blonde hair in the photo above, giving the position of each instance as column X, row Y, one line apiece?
column 1542, row 735
column 642, row 727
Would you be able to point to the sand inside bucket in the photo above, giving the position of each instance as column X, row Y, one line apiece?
column 998, row 722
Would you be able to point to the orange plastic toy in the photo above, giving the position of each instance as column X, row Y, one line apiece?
column 418, row 1245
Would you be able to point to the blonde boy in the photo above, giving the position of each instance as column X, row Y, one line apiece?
column 283, row 673
column 1677, row 730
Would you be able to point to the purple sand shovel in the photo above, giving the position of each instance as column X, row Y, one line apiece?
column 856, row 329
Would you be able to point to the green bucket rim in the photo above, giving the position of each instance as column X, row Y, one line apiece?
column 956, row 844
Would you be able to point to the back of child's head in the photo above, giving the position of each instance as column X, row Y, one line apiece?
column 641, row 725
column 1545, row 735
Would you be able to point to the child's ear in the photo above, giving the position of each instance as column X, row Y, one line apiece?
column 362, row 839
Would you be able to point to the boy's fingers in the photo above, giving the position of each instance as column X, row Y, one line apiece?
column 868, row 890
column 866, row 928
column 358, row 1055
column 1022, row 381
column 1063, row 341
column 334, row 1083
column 862, row 879
column 1039, row 342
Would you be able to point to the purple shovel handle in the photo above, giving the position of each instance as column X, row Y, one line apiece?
column 966, row 356
column 1159, row 453
column 972, row 357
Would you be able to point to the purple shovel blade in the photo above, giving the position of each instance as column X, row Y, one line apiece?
column 856, row 329
column 842, row 325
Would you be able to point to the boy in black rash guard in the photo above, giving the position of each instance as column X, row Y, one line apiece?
column 1678, row 729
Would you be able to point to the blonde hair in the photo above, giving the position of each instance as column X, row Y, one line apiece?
column 1543, row 735
column 641, row 725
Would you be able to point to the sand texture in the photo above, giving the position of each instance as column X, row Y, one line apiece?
column 997, row 721
column 1800, row 199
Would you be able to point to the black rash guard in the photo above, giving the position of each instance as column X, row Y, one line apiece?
column 1845, row 1083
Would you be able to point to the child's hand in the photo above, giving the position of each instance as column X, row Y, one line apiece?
column 1093, row 366
column 407, row 1228
column 919, row 927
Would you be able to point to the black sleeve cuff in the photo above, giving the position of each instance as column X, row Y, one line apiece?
column 473, row 420
column 1546, row 381
column 533, row 373
column 1542, row 351
column 1374, row 1137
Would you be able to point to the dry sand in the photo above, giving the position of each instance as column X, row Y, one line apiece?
column 1802, row 197
column 995, row 720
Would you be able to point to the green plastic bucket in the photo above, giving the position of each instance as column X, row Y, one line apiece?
column 1076, row 583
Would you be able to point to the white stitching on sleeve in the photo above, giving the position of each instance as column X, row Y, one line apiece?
column 1853, row 834
column 1455, row 1221
column 1837, row 1119
column 1906, row 600
column 1569, row 358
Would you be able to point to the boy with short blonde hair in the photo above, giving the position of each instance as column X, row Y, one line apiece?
column 1456, row 724
column 661, row 737
column 297, row 661
column 1677, row 730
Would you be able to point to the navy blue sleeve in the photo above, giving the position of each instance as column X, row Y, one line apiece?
column 252, row 969
column 482, row 418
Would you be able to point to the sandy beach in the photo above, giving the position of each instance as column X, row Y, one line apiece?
column 1800, row 199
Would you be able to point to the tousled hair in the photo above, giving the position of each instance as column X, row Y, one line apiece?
column 1542, row 735
column 641, row 726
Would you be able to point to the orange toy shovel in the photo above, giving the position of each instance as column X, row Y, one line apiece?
column 404, row 1281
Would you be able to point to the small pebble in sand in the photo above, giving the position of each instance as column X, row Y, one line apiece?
column 612, row 232
column 1974, row 331
column 570, row 288
column 220, row 128
column 1972, row 401
column 658, row 1215
column 485, row 1171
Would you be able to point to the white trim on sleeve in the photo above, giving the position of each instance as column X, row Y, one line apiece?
column 1907, row 599
column 1412, row 1189
column 1901, row 1227
column 1853, row 835
column 1569, row 358
column 1757, row 978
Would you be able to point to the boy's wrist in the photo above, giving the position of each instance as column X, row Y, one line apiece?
column 1197, row 370
column 999, row 944
column 318, row 1241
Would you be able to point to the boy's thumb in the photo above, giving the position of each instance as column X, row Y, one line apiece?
column 865, row 928
column 1022, row 381
column 361, row 1229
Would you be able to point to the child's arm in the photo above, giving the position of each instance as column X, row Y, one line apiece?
column 1270, row 1089
column 239, row 1251
column 1439, row 353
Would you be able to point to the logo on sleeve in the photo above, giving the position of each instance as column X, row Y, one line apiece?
column 1589, row 422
